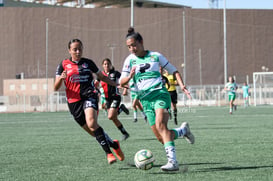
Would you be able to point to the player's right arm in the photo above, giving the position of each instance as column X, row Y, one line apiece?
column 60, row 76
column 125, row 92
column 127, row 73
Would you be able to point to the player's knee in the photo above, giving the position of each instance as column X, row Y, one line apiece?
column 161, row 127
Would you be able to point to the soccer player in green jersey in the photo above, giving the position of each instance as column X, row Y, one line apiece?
column 231, row 88
column 143, row 67
column 246, row 94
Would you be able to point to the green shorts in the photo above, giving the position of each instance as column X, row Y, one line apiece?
column 155, row 100
column 231, row 97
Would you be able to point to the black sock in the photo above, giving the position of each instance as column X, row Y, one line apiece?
column 175, row 113
column 111, row 143
column 100, row 137
column 122, row 130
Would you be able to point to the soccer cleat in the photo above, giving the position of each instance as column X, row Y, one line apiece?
column 188, row 136
column 124, row 109
column 125, row 137
column 111, row 158
column 135, row 120
column 170, row 166
column 118, row 151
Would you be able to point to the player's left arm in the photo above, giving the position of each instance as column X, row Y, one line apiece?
column 172, row 69
column 106, row 79
column 181, row 84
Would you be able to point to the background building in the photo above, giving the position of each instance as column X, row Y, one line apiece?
column 34, row 40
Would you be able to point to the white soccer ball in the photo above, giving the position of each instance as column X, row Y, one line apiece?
column 144, row 159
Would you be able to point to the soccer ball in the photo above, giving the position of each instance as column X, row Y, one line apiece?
column 144, row 159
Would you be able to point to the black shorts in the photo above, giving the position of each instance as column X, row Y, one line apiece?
column 77, row 109
column 113, row 102
column 173, row 95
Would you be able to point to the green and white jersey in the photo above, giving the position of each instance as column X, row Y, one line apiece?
column 231, row 88
column 147, row 73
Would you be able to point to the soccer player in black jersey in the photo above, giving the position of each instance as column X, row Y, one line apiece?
column 76, row 73
column 112, row 96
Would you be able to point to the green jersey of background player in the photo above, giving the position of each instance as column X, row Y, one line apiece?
column 231, row 88
column 246, row 94
column 143, row 67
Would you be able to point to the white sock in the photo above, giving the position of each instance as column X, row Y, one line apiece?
column 135, row 114
column 180, row 131
column 170, row 152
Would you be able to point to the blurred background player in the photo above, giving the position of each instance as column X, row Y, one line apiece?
column 121, row 108
column 231, row 88
column 165, row 80
column 136, row 104
column 173, row 93
column 112, row 96
column 246, row 94
column 77, row 74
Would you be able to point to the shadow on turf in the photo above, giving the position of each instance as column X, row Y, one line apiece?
column 156, row 165
column 183, row 170
column 146, row 139
column 132, row 166
column 230, row 168
column 182, row 167
column 220, row 127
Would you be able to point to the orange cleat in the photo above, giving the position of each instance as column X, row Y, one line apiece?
column 111, row 158
column 118, row 152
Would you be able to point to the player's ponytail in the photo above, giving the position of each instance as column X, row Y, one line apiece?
column 133, row 34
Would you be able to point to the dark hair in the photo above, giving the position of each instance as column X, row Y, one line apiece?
column 109, row 61
column 232, row 79
column 73, row 41
column 106, row 59
column 133, row 34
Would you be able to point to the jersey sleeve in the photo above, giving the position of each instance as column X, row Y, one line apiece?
column 164, row 63
column 126, row 69
column 94, row 67
column 59, row 69
column 118, row 74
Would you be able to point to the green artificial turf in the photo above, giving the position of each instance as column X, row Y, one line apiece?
column 51, row 146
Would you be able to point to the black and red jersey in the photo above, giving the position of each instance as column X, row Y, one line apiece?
column 110, row 90
column 79, row 78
